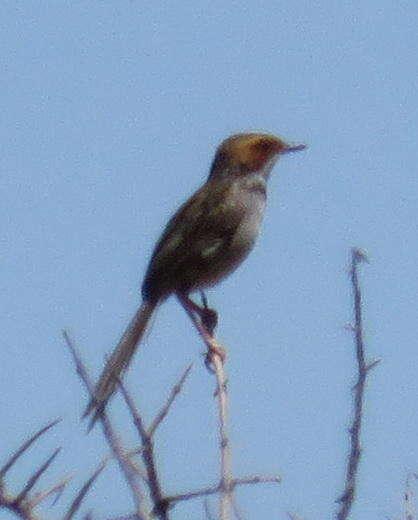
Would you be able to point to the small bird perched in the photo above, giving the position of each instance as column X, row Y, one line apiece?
column 206, row 239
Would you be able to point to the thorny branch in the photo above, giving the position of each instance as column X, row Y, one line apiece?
column 25, row 446
column 216, row 358
column 74, row 507
column 166, row 408
column 125, row 463
column 217, row 361
column 347, row 498
column 22, row 505
column 56, row 490
column 147, row 453
column 36, row 476
column 225, row 446
column 213, row 490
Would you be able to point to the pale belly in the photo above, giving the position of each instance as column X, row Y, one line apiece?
column 225, row 260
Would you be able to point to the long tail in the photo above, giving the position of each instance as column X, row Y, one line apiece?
column 119, row 361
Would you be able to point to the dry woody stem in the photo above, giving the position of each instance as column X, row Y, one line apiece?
column 217, row 361
column 346, row 500
column 144, row 480
column 23, row 504
column 225, row 444
column 125, row 464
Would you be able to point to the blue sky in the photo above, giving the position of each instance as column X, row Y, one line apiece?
column 111, row 112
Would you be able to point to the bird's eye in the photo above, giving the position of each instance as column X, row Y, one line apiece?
column 264, row 145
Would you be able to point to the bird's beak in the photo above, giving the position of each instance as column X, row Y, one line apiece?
column 295, row 148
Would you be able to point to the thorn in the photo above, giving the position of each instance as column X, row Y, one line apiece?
column 25, row 446
column 350, row 327
column 83, row 491
column 372, row 364
column 36, row 476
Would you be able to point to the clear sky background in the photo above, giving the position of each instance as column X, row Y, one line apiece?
column 110, row 115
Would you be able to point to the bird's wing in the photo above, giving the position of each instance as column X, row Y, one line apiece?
column 198, row 232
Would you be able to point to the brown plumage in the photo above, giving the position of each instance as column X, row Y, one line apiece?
column 205, row 240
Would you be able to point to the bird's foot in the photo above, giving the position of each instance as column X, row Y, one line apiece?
column 214, row 349
column 208, row 316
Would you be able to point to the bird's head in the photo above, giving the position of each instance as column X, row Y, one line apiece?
column 247, row 153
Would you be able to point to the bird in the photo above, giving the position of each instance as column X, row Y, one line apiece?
column 205, row 240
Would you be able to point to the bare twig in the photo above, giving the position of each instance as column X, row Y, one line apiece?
column 125, row 464
column 347, row 498
column 25, row 446
column 227, row 483
column 82, row 493
column 225, row 447
column 36, row 476
column 166, row 408
column 79, row 365
column 161, row 506
column 19, row 509
column 20, row 505
column 408, row 499
column 217, row 361
column 257, row 479
column 236, row 509
column 212, row 490
column 208, row 513
column 56, row 490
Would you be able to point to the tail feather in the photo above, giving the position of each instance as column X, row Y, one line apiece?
column 118, row 362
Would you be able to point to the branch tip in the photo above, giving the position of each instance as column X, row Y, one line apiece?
column 177, row 388
column 36, row 476
column 359, row 256
column 371, row 365
column 20, row 451
column 83, row 492
column 346, row 500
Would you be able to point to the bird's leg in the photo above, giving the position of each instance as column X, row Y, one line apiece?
column 209, row 319
column 209, row 316
column 193, row 305
column 192, row 309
